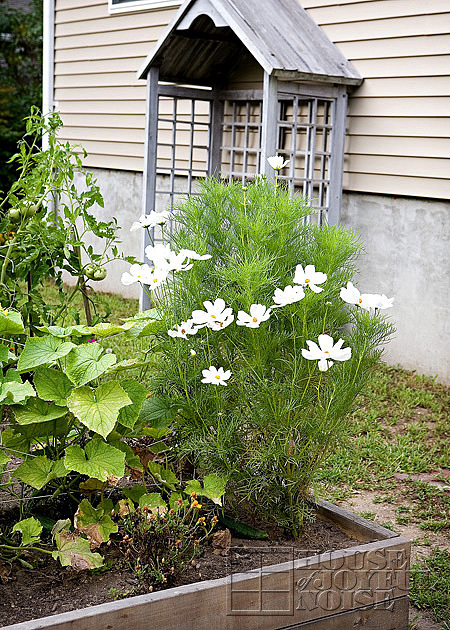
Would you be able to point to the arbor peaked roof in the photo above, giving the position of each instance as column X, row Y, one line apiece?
column 209, row 37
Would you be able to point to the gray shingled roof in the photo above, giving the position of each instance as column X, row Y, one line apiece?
column 278, row 34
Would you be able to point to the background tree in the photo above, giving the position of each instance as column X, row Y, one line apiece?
column 20, row 77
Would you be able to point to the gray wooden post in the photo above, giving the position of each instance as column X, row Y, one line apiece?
column 149, row 175
column 337, row 159
column 269, row 124
column 215, row 143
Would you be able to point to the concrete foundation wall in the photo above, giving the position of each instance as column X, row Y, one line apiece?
column 407, row 256
column 407, row 242
column 122, row 195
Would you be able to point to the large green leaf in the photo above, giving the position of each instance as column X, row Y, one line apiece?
column 31, row 530
column 98, row 409
column 97, row 459
column 10, row 323
column 4, row 459
column 74, row 551
column 137, row 393
column 38, row 471
column 42, row 351
column 213, row 488
column 131, row 459
column 134, row 493
column 4, row 352
column 53, row 428
column 107, row 330
column 87, row 362
column 52, row 385
column 157, row 412
column 58, row 331
column 37, row 410
column 15, row 443
column 14, row 392
column 94, row 523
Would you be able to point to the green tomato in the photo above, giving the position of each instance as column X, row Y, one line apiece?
column 95, row 272
column 14, row 215
column 30, row 210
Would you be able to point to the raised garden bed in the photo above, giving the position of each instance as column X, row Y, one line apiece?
column 363, row 585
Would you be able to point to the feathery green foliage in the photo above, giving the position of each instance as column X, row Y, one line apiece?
column 270, row 429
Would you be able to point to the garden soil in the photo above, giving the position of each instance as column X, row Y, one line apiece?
column 51, row 589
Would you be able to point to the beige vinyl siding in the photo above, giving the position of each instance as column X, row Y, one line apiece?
column 97, row 55
column 398, row 139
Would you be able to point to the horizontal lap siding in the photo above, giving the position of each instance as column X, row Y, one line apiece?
column 101, row 101
column 398, row 129
column 398, row 138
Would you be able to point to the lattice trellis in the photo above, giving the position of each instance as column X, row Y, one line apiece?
column 183, row 147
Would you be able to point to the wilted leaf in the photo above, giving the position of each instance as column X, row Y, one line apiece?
column 75, row 552
column 98, row 409
column 94, row 523
column 92, row 485
column 97, row 459
column 125, row 507
column 31, row 530
column 145, row 455
column 87, row 362
column 42, row 351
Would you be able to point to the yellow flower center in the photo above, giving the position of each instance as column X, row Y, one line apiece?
column 217, row 377
column 360, row 300
column 327, row 352
column 213, row 316
column 307, row 280
column 255, row 319
column 155, row 279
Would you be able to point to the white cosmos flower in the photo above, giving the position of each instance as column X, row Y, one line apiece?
column 215, row 376
column 215, row 317
column 367, row 301
column 309, row 277
column 326, row 352
column 288, row 295
column 157, row 277
column 277, row 162
column 137, row 273
column 164, row 257
column 258, row 313
column 150, row 220
column 184, row 329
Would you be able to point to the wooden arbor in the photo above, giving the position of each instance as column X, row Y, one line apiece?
column 232, row 82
